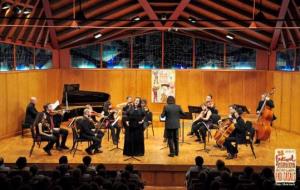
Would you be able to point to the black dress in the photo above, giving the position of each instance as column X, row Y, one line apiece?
column 134, row 133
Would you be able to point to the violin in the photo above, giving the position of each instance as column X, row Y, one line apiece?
column 264, row 120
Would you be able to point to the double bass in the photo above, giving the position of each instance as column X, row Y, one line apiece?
column 265, row 117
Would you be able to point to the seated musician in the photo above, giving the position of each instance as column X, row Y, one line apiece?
column 238, row 135
column 87, row 131
column 201, row 122
column 31, row 112
column 44, row 131
column 55, row 118
column 126, row 106
column 212, row 107
column 110, row 123
column 148, row 113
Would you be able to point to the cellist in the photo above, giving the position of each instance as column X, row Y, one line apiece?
column 238, row 135
column 269, row 104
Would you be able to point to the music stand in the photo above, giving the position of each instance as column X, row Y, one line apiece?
column 194, row 109
column 204, row 143
column 186, row 116
column 163, row 119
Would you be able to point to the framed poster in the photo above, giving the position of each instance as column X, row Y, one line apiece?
column 163, row 85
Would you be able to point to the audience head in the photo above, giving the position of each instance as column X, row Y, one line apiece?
column 171, row 100
column 248, row 171
column 21, row 162
column 129, row 168
column 220, row 164
column 199, row 161
column 63, row 160
column 33, row 100
column 34, row 169
column 87, row 160
column 267, row 173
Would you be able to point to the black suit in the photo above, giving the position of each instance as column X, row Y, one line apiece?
column 31, row 113
column 85, row 126
column 172, row 112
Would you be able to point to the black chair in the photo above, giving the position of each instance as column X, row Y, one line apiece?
column 76, row 138
column 150, row 120
column 35, row 139
column 249, row 141
column 24, row 127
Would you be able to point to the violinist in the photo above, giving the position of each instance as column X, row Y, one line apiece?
column 55, row 118
column 43, row 130
column 87, row 130
column 201, row 122
column 125, row 106
column 239, row 133
column 148, row 113
column 110, row 118
column 215, row 117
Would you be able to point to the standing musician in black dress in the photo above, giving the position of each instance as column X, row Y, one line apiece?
column 31, row 112
column 88, row 131
column 109, row 121
column 134, row 130
column 238, row 135
column 43, row 130
column 201, row 123
column 172, row 113
column 55, row 118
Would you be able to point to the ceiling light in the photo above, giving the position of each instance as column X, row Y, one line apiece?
column 192, row 20
column 253, row 25
column 27, row 11
column 163, row 17
column 74, row 24
column 97, row 35
column 136, row 18
column 6, row 6
column 17, row 10
column 229, row 36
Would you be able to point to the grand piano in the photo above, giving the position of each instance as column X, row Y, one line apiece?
column 74, row 100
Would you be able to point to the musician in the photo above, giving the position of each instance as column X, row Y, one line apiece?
column 31, row 111
column 55, row 118
column 134, row 130
column 210, row 104
column 126, row 106
column 109, row 115
column 43, row 130
column 148, row 113
column 87, row 131
column 172, row 113
column 201, row 123
column 238, row 135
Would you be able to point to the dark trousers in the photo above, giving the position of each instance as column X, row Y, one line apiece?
column 115, row 132
column 51, row 141
column 172, row 135
column 229, row 147
column 63, row 133
column 96, row 140
column 199, row 128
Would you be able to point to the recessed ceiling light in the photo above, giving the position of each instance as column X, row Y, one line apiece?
column 97, row 35
column 17, row 10
column 163, row 17
column 192, row 20
column 136, row 18
column 27, row 11
column 229, row 36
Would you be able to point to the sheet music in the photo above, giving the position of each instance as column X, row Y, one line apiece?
column 55, row 105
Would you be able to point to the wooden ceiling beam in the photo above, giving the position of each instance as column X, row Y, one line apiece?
column 216, row 16
column 91, row 32
column 151, row 14
column 29, row 30
column 284, row 42
column 294, row 24
column 41, row 31
column 20, row 30
column 33, row 31
column 291, row 37
column 50, row 23
column 279, row 23
column 24, row 5
column 179, row 9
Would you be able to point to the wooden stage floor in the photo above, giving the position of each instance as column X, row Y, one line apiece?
column 14, row 147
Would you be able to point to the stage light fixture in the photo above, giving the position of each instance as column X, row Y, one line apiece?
column 27, row 11
column 98, row 35
column 6, row 6
column 163, row 17
column 192, row 20
column 229, row 36
column 17, row 10
column 135, row 19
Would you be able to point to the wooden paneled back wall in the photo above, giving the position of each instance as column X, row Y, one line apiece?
column 227, row 87
column 16, row 88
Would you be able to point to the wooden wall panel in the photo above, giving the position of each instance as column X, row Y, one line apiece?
column 236, row 88
column 3, row 104
column 277, row 82
column 286, row 101
column 295, row 105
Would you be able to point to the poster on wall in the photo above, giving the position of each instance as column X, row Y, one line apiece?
column 163, row 85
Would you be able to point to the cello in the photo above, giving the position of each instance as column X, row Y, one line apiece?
column 264, row 120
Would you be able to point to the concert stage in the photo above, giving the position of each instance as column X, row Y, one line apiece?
column 156, row 167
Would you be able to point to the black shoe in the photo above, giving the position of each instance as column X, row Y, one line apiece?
column 64, row 147
column 198, row 140
column 88, row 151
column 97, row 151
column 230, row 157
column 171, row 155
column 47, row 151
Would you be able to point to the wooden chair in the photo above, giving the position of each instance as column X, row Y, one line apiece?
column 249, row 141
column 36, row 139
